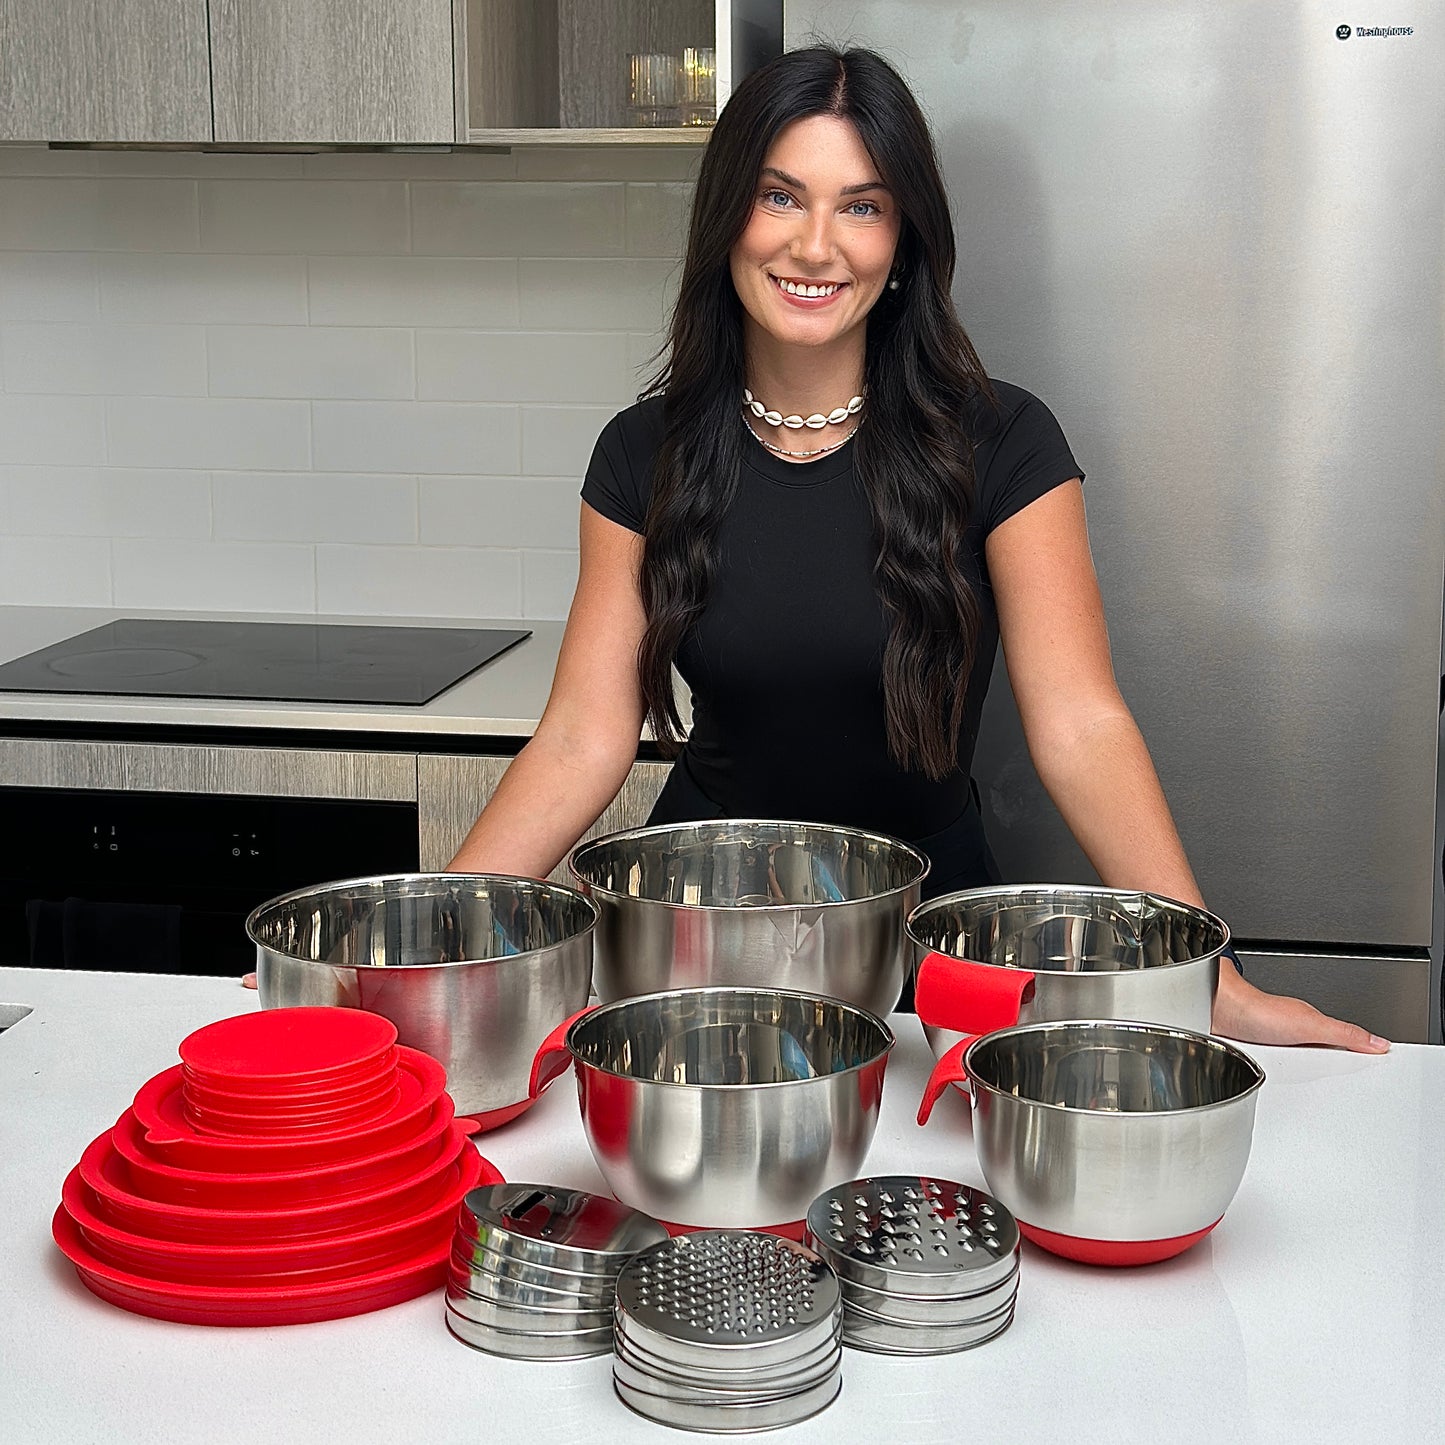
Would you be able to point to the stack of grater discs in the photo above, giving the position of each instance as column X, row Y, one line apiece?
column 728, row 1331
column 926, row 1266
column 534, row 1269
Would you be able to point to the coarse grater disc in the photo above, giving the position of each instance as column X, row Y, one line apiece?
column 723, row 1297
column 916, row 1235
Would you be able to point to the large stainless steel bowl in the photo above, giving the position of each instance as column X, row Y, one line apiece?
column 725, row 1107
column 751, row 903
column 1096, row 1132
column 474, row 969
column 1105, row 953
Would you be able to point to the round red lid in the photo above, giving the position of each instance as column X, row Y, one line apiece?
column 288, row 1044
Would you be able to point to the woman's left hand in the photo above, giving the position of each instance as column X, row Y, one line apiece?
column 1244, row 1012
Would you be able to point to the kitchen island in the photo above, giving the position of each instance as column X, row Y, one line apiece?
column 1316, row 1310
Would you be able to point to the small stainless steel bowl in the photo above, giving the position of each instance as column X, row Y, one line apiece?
column 1094, row 1130
column 1105, row 953
column 751, row 903
column 725, row 1107
column 473, row 969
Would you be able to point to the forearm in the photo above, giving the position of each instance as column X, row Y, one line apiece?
column 1104, row 785
column 552, row 793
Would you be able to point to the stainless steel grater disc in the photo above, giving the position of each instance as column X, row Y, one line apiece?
column 915, row 1235
column 883, row 1337
column 565, row 1229
column 728, row 1297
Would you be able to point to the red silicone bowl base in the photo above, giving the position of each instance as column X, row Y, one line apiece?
column 1112, row 1252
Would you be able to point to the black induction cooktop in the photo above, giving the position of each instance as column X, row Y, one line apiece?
column 262, row 661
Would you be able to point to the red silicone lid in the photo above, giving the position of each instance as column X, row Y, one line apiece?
column 289, row 1044
column 259, row 1262
column 1115, row 1252
column 274, row 1305
column 156, row 1178
column 153, row 1178
column 198, row 1089
column 158, row 1106
column 104, row 1171
column 279, row 1123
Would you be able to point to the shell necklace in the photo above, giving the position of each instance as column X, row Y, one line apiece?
column 816, row 422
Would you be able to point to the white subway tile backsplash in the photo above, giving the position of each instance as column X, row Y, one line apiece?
column 303, row 216
column 355, row 382
column 468, row 165
column 548, row 581
column 499, row 511
column 424, row 436
column 314, row 507
column 657, row 219
column 558, row 440
column 208, row 433
column 413, row 291
column 251, row 289
column 230, row 576
column 95, row 360
column 48, row 286
column 90, row 213
column 52, row 430
column 108, row 502
column 419, row 581
column 608, row 163
column 309, row 361
column 516, row 219
column 55, row 571
column 625, row 294
column 522, row 366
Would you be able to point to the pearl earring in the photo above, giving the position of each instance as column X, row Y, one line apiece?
column 894, row 283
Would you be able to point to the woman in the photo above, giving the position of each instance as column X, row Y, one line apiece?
column 827, row 516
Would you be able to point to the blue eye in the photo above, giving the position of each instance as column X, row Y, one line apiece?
column 864, row 208
column 777, row 198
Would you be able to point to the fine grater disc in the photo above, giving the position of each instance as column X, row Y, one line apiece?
column 723, row 1298
column 915, row 1235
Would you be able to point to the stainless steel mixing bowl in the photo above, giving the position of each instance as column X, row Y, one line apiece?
column 751, row 903
column 474, row 969
column 724, row 1107
column 1104, row 953
column 1094, row 1130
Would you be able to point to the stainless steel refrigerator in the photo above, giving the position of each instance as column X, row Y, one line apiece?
column 1209, row 234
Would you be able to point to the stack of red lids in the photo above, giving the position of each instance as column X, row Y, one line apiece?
column 298, row 1164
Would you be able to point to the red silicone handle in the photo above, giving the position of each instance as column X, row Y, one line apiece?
column 553, row 1056
column 968, row 997
column 948, row 1070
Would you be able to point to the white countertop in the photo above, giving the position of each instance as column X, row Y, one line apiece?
column 504, row 698
column 1316, row 1310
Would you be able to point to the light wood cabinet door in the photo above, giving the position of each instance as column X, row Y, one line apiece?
column 360, row 72
column 104, row 70
column 452, row 789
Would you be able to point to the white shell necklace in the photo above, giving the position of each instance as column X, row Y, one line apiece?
column 816, row 422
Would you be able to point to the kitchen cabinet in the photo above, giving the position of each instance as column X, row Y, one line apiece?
column 104, row 70
column 548, row 71
column 453, row 788
column 375, row 72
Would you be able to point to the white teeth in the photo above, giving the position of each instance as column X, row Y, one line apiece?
column 793, row 289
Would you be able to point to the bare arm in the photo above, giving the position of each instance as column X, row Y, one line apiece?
column 1089, row 752
column 584, row 745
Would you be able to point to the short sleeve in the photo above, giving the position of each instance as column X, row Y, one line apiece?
column 1021, row 456
column 619, row 476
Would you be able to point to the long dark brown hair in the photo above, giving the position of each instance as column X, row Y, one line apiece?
column 912, row 458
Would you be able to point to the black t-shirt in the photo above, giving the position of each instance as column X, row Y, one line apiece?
column 785, row 665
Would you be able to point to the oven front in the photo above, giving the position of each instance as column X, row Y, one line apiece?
column 162, row 882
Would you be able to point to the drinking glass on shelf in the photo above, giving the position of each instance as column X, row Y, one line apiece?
column 699, row 86
column 652, row 89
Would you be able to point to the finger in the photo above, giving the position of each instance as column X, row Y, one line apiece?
column 249, row 981
column 1341, row 1035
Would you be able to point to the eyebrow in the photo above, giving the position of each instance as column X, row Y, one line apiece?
column 798, row 185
